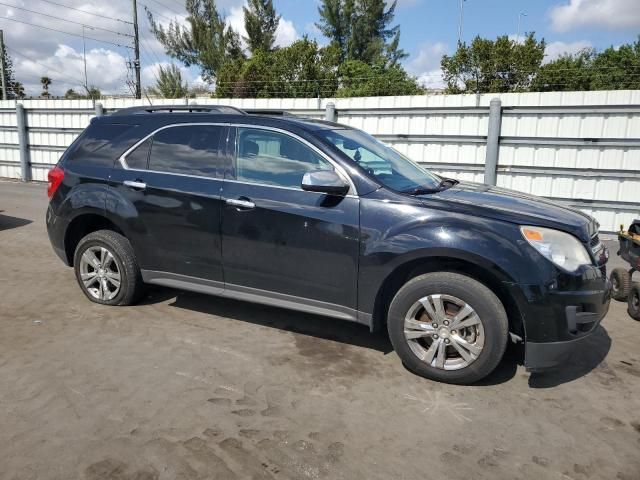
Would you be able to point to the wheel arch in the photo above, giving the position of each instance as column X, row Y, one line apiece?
column 81, row 226
column 480, row 271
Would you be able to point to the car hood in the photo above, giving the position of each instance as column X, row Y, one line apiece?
column 515, row 207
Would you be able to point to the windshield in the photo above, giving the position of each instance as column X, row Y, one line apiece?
column 388, row 166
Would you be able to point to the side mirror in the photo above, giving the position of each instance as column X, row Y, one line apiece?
column 325, row 181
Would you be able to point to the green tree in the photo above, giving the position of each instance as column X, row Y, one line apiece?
column 169, row 83
column 71, row 94
column 358, row 79
column 484, row 66
column 570, row 72
column 617, row 68
column 302, row 69
column 18, row 90
column 361, row 29
column 8, row 74
column 261, row 23
column 612, row 69
column 206, row 41
column 46, row 82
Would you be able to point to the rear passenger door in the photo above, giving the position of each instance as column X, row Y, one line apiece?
column 173, row 181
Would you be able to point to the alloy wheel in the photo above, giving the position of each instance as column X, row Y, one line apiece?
column 100, row 273
column 444, row 331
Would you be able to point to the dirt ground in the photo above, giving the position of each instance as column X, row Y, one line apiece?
column 186, row 386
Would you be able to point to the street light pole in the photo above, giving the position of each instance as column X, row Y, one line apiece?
column 460, row 21
column 520, row 15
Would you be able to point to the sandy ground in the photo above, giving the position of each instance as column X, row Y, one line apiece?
column 186, row 386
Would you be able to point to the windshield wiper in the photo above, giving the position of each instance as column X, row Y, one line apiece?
column 443, row 185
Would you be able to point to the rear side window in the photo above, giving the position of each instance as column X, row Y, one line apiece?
column 188, row 150
column 97, row 144
column 139, row 156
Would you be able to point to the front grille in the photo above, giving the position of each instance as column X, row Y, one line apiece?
column 595, row 241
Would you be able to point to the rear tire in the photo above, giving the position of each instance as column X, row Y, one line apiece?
column 106, row 269
column 633, row 303
column 448, row 327
column 620, row 284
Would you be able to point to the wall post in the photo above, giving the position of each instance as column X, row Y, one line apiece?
column 99, row 110
column 330, row 112
column 23, row 140
column 493, row 142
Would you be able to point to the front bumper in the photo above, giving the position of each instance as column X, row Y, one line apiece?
column 557, row 322
column 543, row 356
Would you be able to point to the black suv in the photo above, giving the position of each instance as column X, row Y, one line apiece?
column 324, row 218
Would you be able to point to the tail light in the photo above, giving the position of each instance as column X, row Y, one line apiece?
column 55, row 177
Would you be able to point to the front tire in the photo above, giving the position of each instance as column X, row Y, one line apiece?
column 620, row 284
column 448, row 327
column 106, row 269
column 633, row 303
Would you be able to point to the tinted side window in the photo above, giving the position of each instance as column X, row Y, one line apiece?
column 189, row 150
column 97, row 145
column 273, row 158
column 138, row 158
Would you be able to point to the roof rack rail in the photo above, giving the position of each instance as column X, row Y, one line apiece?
column 266, row 111
column 225, row 109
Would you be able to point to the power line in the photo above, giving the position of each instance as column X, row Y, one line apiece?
column 167, row 7
column 146, row 7
column 88, row 13
column 66, row 33
column 65, row 20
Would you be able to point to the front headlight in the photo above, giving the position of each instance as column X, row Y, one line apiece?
column 563, row 249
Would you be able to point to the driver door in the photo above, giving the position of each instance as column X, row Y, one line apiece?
column 280, row 241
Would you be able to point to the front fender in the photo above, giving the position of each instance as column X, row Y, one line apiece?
column 394, row 235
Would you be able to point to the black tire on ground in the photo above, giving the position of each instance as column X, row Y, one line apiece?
column 131, row 284
column 485, row 303
column 620, row 284
column 633, row 303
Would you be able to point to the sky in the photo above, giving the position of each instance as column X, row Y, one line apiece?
column 429, row 30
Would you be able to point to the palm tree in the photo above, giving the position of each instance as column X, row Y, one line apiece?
column 45, row 81
column 18, row 90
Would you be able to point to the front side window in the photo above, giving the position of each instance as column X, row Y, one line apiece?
column 272, row 158
column 386, row 164
column 188, row 150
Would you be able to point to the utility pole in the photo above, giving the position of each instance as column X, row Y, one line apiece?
column 136, row 49
column 84, row 56
column 2, row 67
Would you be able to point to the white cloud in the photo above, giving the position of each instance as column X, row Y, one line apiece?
column 555, row 50
column 606, row 14
column 286, row 33
column 426, row 64
column 105, row 69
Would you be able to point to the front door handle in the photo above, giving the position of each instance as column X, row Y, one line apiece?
column 135, row 184
column 244, row 204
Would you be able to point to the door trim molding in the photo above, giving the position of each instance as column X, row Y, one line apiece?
column 255, row 295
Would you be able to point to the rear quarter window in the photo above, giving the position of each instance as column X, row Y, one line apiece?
column 100, row 144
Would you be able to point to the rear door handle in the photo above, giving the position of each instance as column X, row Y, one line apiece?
column 246, row 204
column 135, row 184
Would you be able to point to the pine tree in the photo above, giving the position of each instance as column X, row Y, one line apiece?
column 261, row 23
column 8, row 75
column 207, row 42
column 362, row 30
